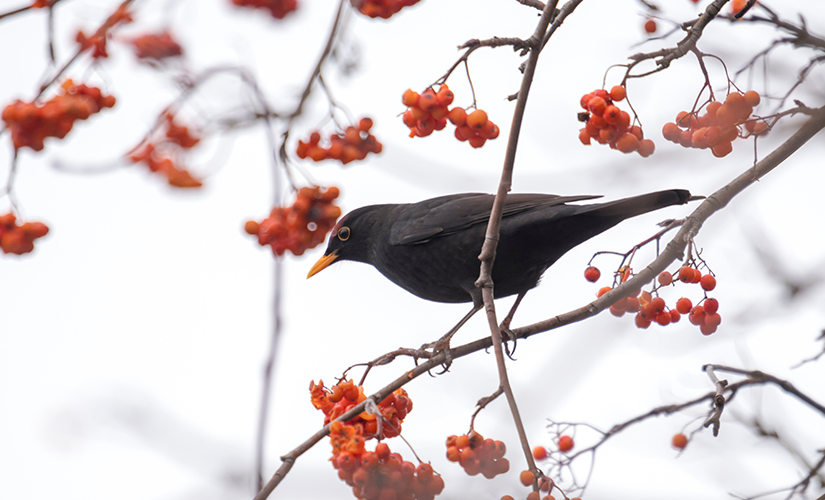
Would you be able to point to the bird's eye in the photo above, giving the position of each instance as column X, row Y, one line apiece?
column 343, row 233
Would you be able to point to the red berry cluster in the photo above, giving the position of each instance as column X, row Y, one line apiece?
column 717, row 128
column 381, row 8
column 343, row 396
column 354, row 144
column 157, row 155
column 380, row 474
column 651, row 309
column 607, row 124
column 31, row 123
column 428, row 111
column 301, row 226
column 97, row 41
column 19, row 239
column 277, row 8
column 156, row 46
column 478, row 455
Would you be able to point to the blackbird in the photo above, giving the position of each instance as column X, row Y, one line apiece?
column 431, row 248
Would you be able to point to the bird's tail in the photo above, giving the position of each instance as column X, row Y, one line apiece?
column 642, row 204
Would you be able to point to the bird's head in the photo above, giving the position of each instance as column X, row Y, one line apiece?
column 351, row 238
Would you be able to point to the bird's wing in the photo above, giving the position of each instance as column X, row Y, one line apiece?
column 422, row 221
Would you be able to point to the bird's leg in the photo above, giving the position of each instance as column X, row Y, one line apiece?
column 504, row 328
column 443, row 344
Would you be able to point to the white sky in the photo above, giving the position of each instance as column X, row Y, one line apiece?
column 132, row 341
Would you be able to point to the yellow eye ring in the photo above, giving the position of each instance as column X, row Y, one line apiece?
column 344, row 233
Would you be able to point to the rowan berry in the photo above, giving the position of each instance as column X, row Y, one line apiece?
column 708, row 282
column 679, row 441
column 665, row 278
column 752, row 98
column 477, row 119
column 592, row 274
column 627, row 143
column 650, row 26
column 646, row 148
column 565, row 443
column 539, row 452
column 642, row 322
column 684, row 305
column 526, row 477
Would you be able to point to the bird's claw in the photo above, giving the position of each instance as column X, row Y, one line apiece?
column 506, row 336
column 439, row 346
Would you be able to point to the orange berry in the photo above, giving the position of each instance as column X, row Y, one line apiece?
column 526, row 477
column 735, row 99
column 382, row 450
column 707, row 329
column 624, row 121
column 251, row 227
column 752, row 98
column 627, row 143
column 565, row 443
column 539, row 452
column 427, row 101
column 685, row 274
column 618, row 93
column 650, row 26
column 665, row 278
column 597, row 106
column 680, row 441
column 533, row 495
column 603, row 290
column 365, row 124
column 711, row 306
column 722, row 149
column 663, row 318
column 726, row 115
column 477, row 141
column 671, row 132
column 657, row 305
column 612, row 115
column 592, row 274
column 444, row 96
column 646, row 148
column 684, row 305
column 713, row 320
column 708, row 282
column 477, row 119
column 584, row 136
column 674, row 316
column 642, row 322
column 697, row 316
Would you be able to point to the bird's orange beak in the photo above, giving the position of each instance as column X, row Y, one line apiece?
column 322, row 263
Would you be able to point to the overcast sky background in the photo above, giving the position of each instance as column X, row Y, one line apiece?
column 132, row 340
